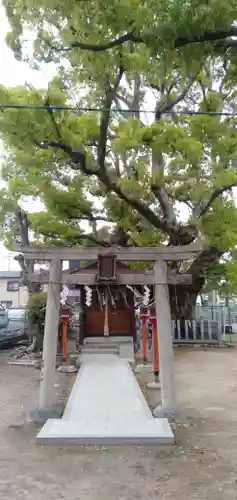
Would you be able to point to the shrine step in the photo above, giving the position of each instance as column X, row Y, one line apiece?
column 122, row 346
column 100, row 350
column 101, row 345
column 111, row 339
column 124, row 351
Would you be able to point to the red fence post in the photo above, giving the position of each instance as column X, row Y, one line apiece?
column 64, row 341
column 155, row 350
column 155, row 344
column 64, row 320
column 144, row 339
column 144, row 318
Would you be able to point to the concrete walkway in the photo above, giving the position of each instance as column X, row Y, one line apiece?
column 106, row 406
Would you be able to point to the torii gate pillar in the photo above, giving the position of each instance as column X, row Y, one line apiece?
column 47, row 390
column 164, row 331
column 48, row 407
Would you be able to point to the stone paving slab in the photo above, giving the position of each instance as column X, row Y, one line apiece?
column 106, row 405
column 61, row 432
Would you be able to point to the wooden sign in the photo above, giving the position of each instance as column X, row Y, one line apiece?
column 106, row 268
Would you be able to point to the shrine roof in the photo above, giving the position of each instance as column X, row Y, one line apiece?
column 121, row 266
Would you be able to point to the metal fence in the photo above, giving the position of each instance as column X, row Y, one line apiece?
column 202, row 329
column 197, row 331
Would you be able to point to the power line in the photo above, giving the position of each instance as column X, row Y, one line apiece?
column 121, row 110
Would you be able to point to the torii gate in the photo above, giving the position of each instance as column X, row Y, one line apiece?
column 159, row 277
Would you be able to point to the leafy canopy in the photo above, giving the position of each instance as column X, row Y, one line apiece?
column 121, row 174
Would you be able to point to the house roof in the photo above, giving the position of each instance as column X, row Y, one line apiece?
column 10, row 274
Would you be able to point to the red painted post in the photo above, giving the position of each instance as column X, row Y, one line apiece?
column 144, row 339
column 155, row 345
column 64, row 320
column 144, row 317
column 155, row 350
column 64, row 341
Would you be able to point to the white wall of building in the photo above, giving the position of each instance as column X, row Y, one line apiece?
column 17, row 298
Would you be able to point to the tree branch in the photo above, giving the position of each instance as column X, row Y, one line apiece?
column 158, row 163
column 132, row 103
column 133, row 109
column 76, row 238
column 137, row 95
column 138, row 205
column 100, row 218
column 124, row 113
column 24, row 224
column 181, row 199
column 169, row 104
column 78, row 157
column 204, row 262
column 125, row 100
column 203, row 208
column 51, row 114
column 165, row 204
column 25, row 265
column 92, row 239
column 206, row 36
column 104, row 122
column 102, row 175
column 121, row 40
column 158, row 190
column 89, row 217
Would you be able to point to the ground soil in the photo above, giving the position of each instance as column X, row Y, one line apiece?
column 202, row 465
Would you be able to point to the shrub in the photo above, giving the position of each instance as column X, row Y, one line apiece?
column 35, row 312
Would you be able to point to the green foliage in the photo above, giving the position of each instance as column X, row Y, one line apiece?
column 35, row 311
column 223, row 277
column 136, row 172
column 9, row 225
column 219, row 225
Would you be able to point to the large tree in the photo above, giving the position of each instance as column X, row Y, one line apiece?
column 122, row 165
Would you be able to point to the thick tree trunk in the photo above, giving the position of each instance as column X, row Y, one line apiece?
column 34, row 337
column 183, row 299
column 36, row 344
column 28, row 266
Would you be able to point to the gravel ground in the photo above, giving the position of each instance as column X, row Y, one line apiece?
column 202, row 464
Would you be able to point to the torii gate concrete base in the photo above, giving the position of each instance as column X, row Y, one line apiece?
column 106, row 406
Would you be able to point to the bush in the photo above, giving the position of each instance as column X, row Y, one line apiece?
column 35, row 313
